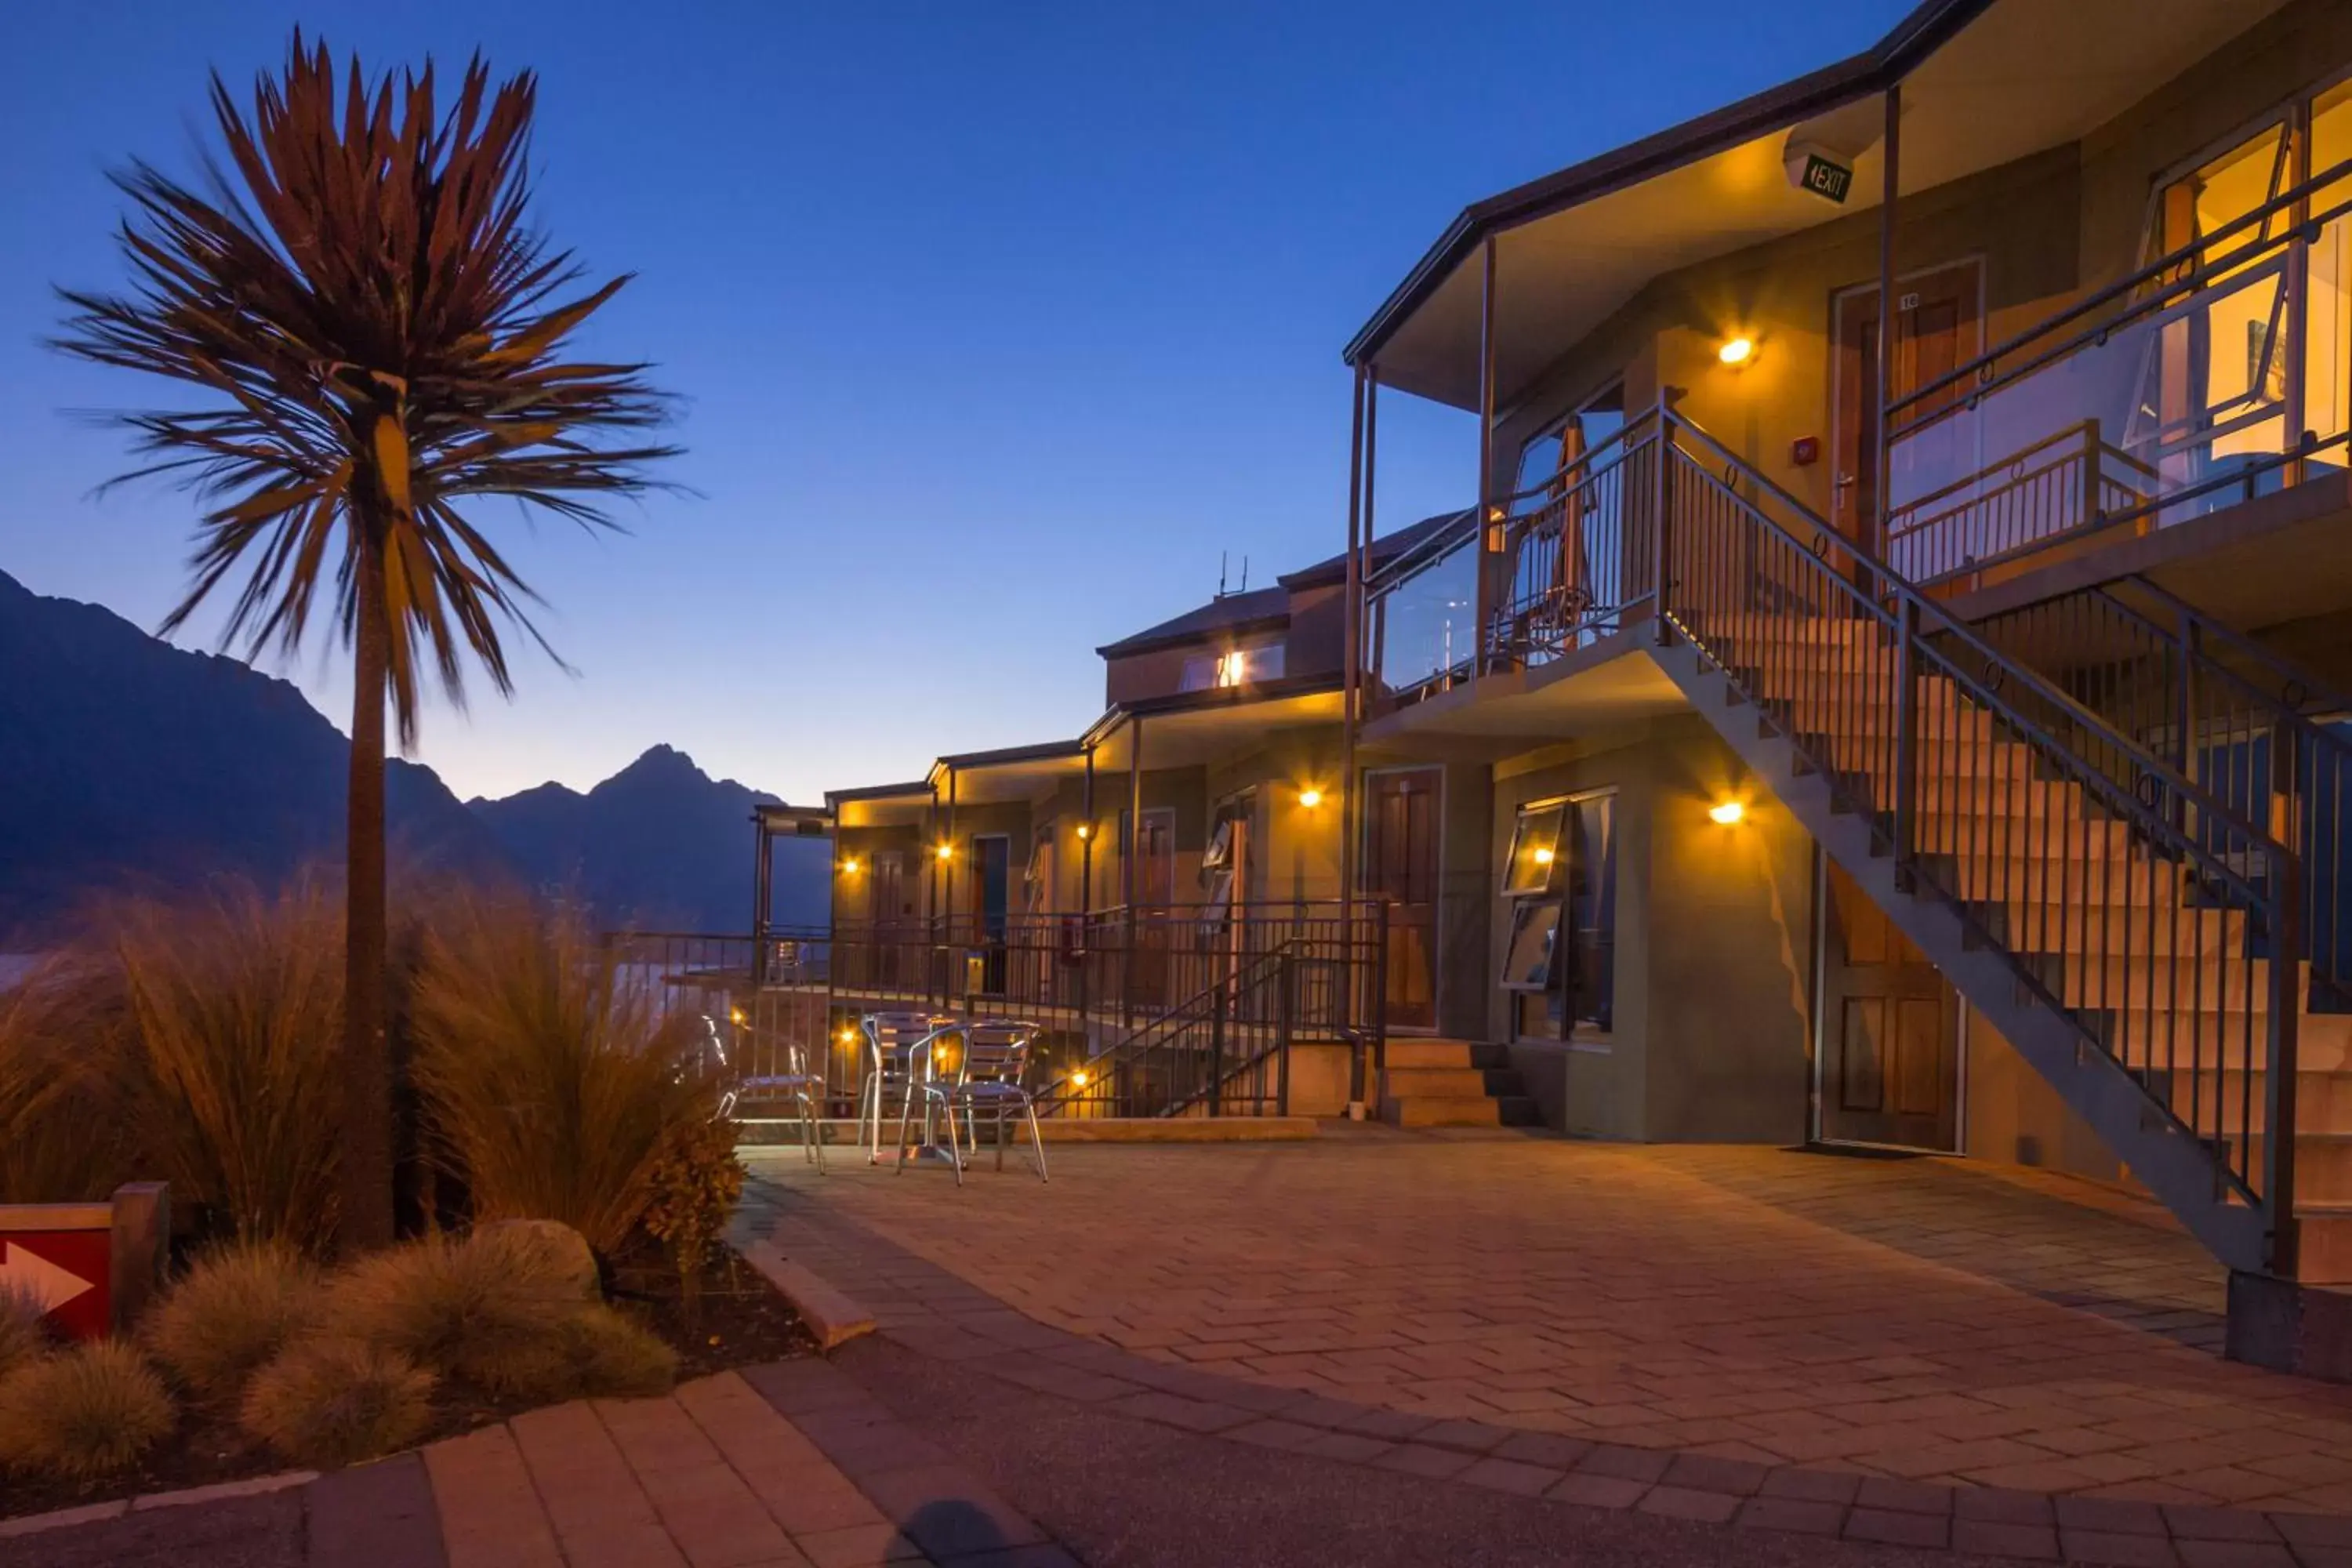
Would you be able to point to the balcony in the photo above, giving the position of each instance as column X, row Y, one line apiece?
column 2216, row 373
column 1576, row 563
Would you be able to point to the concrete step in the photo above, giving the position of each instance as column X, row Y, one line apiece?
column 1496, row 1110
column 2043, row 838
column 2054, row 927
column 2063, row 885
column 1423, row 1052
column 1446, row 1083
column 2214, row 982
column 2174, row 1038
column 2323, row 1167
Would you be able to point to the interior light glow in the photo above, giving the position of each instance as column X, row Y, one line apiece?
column 1543, row 857
column 1729, row 812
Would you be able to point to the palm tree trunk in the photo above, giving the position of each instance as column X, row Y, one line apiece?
column 366, row 1187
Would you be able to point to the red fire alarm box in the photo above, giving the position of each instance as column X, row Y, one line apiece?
column 1805, row 450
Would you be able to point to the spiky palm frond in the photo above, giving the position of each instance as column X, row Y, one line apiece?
column 381, row 340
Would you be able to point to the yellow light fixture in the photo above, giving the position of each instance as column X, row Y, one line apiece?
column 734, row 1014
column 1310, row 797
column 947, row 851
column 1078, row 1078
column 1727, row 813
column 1737, row 351
column 848, row 1036
column 849, row 867
column 1085, row 831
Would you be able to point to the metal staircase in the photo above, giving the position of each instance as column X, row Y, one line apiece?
column 2135, row 935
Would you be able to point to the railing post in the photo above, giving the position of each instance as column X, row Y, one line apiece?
column 1662, row 499
column 2278, row 1112
column 1906, row 733
column 2093, row 448
column 1217, row 1053
column 2188, row 651
column 1379, row 996
column 1286, row 1016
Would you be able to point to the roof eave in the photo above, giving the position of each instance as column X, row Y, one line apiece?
column 1924, row 30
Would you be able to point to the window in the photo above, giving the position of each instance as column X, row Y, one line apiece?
column 1241, row 665
column 1594, row 425
column 1561, row 884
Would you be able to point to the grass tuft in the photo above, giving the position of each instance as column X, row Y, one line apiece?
column 461, row 1308
column 88, row 1411
column 23, row 1337
column 552, row 1085
column 60, row 1137
column 333, row 1401
column 595, row 1353
column 232, row 1313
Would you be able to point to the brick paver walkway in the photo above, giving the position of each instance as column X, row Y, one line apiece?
column 1902, row 1322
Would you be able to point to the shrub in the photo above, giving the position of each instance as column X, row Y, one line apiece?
column 697, row 1181
column 551, row 1083
column 462, row 1308
column 234, row 1310
column 594, row 1353
column 22, row 1336
column 90, row 1411
column 230, row 1013
column 336, row 1401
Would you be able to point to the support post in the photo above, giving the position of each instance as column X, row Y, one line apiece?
column 953, row 980
column 139, row 1249
column 1352, row 679
column 1892, row 184
column 2279, row 1110
column 763, row 895
column 1217, row 1052
column 1286, row 1021
column 1087, row 900
column 1132, row 851
column 1489, row 533
column 1662, row 501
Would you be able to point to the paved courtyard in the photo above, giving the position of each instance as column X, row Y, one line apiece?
column 1910, row 1322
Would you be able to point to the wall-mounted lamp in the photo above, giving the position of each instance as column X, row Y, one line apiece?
column 1086, row 830
column 1737, row 351
column 1310, row 797
column 1727, row 813
column 947, row 851
column 849, row 867
column 734, row 1014
column 1078, row 1078
column 848, row 1036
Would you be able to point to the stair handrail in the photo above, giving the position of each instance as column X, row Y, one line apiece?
column 1138, row 1040
column 1945, row 624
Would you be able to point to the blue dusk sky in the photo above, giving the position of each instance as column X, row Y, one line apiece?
column 993, row 325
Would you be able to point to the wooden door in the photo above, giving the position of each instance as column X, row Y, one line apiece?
column 991, row 908
column 1887, row 1058
column 887, row 913
column 1938, row 328
column 1401, row 865
column 1153, row 843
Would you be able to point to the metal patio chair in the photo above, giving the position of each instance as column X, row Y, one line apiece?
column 898, row 1046
column 988, row 1082
column 803, row 1088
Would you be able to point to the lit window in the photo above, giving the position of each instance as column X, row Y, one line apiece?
column 1233, row 668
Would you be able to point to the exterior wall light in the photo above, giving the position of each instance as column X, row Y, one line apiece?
column 849, row 867
column 1310, row 797
column 947, row 851
column 1086, row 830
column 1737, row 351
column 734, row 1014
column 1078, row 1078
column 848, row 1036
column 1728, row 813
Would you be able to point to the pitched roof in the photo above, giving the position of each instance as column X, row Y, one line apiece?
column 1385, row 549
column 1260, row 609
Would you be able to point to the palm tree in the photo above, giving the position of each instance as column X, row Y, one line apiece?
column 376, row 342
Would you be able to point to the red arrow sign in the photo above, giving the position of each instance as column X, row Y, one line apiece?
column 65, row 1271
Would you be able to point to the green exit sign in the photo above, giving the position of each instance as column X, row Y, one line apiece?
column 1826, row 177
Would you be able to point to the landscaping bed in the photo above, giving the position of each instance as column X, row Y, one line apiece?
column 740, row 1320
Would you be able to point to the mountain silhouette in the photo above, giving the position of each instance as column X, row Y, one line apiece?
column 129, row 762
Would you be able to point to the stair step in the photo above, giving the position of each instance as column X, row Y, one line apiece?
column 2323, row 1166
column 2043, row 838
column 1417, row 1051
column 2062, row 885
column 2042, row 928
column 1446, row 1083
column 1450, row 1110
column 2218, row 1098
column 2324, row 1242
column 2176, row 1038
column 2215, row 982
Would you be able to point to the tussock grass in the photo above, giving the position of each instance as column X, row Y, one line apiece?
column 234, row 1310
column 466, row 1309
column 88, row 1411
column 337, row 1401
column 22, row 1337
column 60, row 1137
column 225, row 1050
column 550, row 1084
column 596, row 1353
